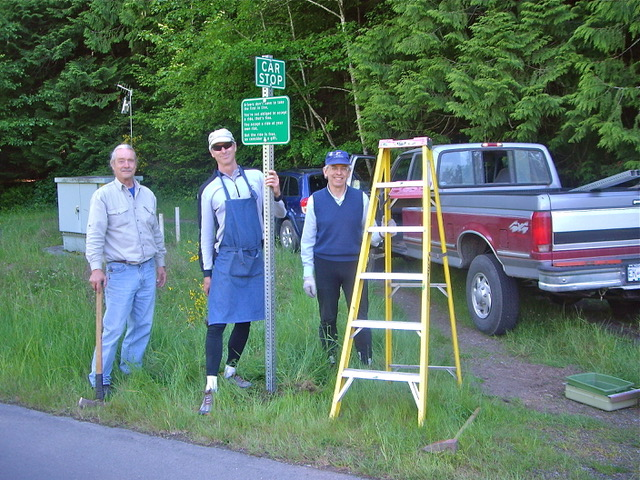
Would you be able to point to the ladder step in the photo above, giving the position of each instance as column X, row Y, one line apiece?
column 403, row 183
column 381, row 375
column 403, row 229
column 391, row 276
column 433, row 285
column 450, row 369
column 406, row 285
column 387, row 325
column 409, row 142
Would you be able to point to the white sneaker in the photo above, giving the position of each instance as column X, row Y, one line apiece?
column 207, row 402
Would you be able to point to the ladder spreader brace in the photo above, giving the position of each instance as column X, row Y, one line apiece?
column 381, row 186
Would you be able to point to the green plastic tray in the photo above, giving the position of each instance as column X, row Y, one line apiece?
column 603, row 402
column 599, row 383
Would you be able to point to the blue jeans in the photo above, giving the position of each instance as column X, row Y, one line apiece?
column 130, row 299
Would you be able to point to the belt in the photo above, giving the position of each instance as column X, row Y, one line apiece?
column 129, row 263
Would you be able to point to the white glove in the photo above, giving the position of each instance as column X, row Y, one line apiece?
column 392, row 223
column 309, row 286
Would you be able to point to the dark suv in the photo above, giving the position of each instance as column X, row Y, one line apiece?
column 298, row 184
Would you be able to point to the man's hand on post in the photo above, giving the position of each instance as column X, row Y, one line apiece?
column 272, row 180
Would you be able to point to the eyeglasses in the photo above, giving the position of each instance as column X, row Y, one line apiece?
column 220, row 146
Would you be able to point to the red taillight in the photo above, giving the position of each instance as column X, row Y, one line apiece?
column 541, row 230
column 491, row 144
column 303, row 204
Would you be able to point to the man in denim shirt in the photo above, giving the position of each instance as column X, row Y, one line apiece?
column 123, row 233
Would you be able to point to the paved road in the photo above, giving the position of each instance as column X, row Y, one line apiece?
column 36, row 445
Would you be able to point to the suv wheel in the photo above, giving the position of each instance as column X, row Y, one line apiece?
column 288, row 237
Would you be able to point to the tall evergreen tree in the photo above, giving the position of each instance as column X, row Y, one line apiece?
column 603, row 110
column 505, row 79
column 552, row 71
column 61, row 96
column 402, row 62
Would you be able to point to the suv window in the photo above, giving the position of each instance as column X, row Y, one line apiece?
column 317, row 182
column 291, row 187
column 284, row 185
column 363, row 173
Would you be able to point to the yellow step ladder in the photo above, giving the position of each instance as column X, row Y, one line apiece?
column 380, row 190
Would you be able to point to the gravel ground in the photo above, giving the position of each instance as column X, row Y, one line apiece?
column 541, row 388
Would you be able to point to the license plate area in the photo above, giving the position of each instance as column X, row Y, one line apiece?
column 633, row 273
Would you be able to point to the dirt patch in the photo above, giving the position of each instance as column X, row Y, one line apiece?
column 541, row 388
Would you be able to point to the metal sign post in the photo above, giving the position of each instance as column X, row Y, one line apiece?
column 269, row 264
column 269, row 272
column 265, row 121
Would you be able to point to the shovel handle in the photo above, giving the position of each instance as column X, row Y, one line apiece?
column 467, row 423
column 99, row 296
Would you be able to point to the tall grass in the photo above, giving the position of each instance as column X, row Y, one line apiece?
column 47, row 313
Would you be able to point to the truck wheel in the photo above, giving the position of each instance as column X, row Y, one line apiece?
column 288, row 236
column 492, row 296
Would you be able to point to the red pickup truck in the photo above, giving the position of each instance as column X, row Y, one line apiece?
column 507, row 219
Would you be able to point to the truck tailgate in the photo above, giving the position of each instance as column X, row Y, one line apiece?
column 591, row 225
column 596, row 242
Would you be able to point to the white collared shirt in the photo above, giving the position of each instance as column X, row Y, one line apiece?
column 123, row 227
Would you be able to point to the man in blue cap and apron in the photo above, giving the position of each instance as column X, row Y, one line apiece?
column 330, row 247
column 231, row 238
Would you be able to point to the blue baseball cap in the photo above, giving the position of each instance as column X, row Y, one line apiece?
column 337, row 157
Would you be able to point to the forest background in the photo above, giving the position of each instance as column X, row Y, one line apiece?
column 562, row 73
